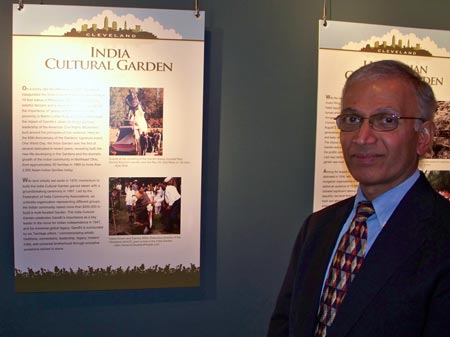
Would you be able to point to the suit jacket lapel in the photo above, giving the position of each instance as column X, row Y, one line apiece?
column 399, row 239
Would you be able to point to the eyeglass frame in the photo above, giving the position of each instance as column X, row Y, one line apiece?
column 393, row 115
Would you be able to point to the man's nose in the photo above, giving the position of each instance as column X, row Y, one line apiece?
column 365, row 134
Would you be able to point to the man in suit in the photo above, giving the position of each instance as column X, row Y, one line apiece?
column 400, row 284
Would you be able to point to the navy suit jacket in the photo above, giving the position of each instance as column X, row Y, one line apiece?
column 403, row 287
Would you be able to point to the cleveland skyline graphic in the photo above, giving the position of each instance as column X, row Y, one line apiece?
column 396, row 47
column 113, row 31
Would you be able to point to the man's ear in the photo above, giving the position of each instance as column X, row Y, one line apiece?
column 425, row 140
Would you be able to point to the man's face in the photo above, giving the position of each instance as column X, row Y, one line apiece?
column 380, row 160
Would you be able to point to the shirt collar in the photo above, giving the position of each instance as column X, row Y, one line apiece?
column 386, row 203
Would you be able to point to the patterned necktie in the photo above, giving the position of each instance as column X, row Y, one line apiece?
column 347, row 261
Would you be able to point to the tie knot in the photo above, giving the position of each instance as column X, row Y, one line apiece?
column 364, row 210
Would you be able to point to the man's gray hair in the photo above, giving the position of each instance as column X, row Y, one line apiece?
column 394, row 69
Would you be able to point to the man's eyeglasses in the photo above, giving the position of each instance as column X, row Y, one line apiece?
column 379, row 122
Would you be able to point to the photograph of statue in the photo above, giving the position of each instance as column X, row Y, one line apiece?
column 136, row 121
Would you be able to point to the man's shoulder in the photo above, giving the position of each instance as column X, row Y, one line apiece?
column 426, row 196
column 426, row 205
column 342, row 204
column 332, row 213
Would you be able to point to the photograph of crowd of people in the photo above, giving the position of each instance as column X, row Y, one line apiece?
column 144, row 206
column 136, row 121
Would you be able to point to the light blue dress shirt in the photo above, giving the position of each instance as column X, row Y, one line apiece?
column 384, row 206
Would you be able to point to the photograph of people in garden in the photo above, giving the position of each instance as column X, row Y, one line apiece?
column 440, row 180
column 144, row 206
